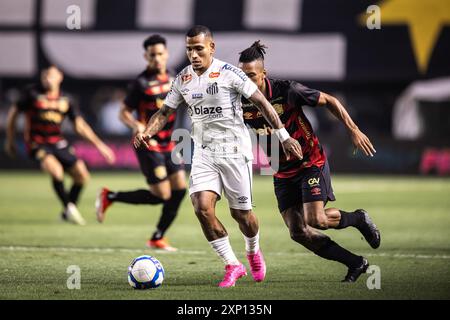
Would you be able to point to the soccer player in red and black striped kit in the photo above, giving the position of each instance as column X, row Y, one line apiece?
column 162, row 168
column 303, row 187
column 45, row 107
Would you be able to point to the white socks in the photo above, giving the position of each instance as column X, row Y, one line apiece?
column 252, row 244
column 223, row 249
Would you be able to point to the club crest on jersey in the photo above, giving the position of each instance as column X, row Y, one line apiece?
column 212, row 89
column 214, row 74
column 186, row 77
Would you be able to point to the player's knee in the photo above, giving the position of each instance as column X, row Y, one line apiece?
column 83, row 178
column 203, row 212
column 318, row 221
column 240, row 215
column 164, row 195
column 300, row 235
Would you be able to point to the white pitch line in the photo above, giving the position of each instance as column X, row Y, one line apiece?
column 198, row 252
column 91, row 250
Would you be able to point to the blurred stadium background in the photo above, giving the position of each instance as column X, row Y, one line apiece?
column 394, row 81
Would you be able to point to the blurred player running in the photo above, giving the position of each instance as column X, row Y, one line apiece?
column 303, row 187
column 46, row 107
column 166, row 179
column 212, row 90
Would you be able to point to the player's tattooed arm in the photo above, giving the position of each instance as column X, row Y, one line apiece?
column 290, row 145
column 154, row 125
column 84, row 130
column 359, row 139
column 10, row 145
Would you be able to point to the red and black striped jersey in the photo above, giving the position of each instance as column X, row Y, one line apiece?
column 146, row 96
column 45, row 114
column 288, row 98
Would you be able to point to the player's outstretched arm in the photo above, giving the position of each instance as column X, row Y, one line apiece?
column 290, row 145
column 127, row 118
column 359, row 139
column 85, row 131
column 154, row 125
column 10, row 145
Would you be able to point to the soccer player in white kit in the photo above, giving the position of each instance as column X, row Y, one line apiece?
column 212, row 90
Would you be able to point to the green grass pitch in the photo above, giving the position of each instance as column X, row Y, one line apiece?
column 36, row 249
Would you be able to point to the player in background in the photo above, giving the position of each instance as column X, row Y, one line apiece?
column 166, row 179
column 212, row 90
column 45, row 107
column 303, row 187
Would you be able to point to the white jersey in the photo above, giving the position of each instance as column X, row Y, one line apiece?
column 214, row 105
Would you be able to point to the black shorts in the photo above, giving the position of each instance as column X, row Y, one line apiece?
column 62, row 151
column 309, row 185
column 157, row 166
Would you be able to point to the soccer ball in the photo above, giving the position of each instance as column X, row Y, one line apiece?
column 145, row 272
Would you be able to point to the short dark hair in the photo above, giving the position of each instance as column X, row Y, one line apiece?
column 152, row 40
column 198, row 29
column 255, row 52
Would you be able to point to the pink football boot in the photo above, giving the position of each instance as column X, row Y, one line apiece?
column 232, row 273
column 257, row 265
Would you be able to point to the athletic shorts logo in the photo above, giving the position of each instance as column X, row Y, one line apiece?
column 313, row 181
column 243, row 199
column 316, row 191
column 160, row 172
column 212, row 88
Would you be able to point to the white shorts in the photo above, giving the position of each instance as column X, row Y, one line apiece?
column 232, row 176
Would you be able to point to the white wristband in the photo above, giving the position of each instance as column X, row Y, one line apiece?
column 281, row 134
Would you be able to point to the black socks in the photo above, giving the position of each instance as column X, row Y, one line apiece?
column 348, row 219
column 135, row 197
column 332, row 251
column 74, row 193
column 169, row 213
column 58, row 186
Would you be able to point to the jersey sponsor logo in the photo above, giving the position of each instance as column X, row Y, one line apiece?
column 264, row 131
column 235, row 70
column 197, row 95
column 186, row 77
column 258, row 114
column 160, row 172
column 304, row 127
column 214, row 74
column 212, row 89
column 212, row 112
column 185, row 91
column 61, row 104
column 51, row 116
